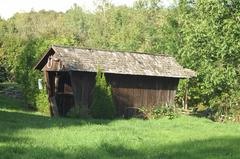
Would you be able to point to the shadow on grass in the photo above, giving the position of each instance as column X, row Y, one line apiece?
column 12, row 104
column 21, row 120
column 16, row 152
column 216, row 148
column 12, row 139
column 15, row 115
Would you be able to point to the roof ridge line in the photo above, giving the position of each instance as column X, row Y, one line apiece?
column 97, row 49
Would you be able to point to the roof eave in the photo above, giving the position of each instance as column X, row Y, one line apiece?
column 39, row 65
column 186, row 76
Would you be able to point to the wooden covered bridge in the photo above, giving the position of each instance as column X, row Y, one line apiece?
column 137, row 79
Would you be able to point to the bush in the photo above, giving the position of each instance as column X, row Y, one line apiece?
column 157, row 112
column 42, row 103
column 202, row 110
column 167, row 110
column 102, row 106
column 3, row 74
column 226, row 107
column 74, row 112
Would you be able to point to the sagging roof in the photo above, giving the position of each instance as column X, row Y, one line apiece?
column 130, row 63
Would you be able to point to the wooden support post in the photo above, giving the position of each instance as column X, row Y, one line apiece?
column 54, row 106
column 49, row 91
column 51, row 94
column 53, row 98
column 186, row 98
column 79, row 93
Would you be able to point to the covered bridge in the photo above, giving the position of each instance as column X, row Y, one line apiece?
column 137, row 79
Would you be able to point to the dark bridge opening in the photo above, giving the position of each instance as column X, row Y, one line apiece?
column 60, row 93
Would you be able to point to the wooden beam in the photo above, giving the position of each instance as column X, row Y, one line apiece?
column 49, row 91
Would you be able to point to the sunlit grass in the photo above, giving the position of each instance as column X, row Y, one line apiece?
column 31, row 135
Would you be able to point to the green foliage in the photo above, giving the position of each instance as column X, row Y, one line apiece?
column 77, row 24
column 227, row 107
column 157, row 112
column 42, row 103
column 168, row 110
column 24, row 73
column 3, row 74
column 210, row 45
column 102, row 106
column 11, row 104
column 75, row 113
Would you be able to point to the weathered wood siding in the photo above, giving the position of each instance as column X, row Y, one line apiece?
column 83, row 85
column 138, row 91
column 128, row 91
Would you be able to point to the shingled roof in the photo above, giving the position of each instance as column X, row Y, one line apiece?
column 130, row 63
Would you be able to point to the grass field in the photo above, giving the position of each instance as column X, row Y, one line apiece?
column 25, row 135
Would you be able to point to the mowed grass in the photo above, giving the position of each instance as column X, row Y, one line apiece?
column 25, row 135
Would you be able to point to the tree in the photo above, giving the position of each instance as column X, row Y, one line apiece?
column 102, row 105
column 210, row 45
column 77, row 23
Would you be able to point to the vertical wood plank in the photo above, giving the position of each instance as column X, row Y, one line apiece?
column 49, row 91
column 77, row 90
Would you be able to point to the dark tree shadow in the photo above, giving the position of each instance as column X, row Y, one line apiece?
column 216, row 148
column 12, row 104
column 12, row 139
column 22, row 120
column 16, row 152
column 222, row 147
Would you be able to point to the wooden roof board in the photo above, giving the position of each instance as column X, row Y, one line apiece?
column 129, row 63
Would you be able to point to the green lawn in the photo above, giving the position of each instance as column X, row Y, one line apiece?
column 25, row 135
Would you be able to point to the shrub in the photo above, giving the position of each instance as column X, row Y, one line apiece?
column 102, row 106
column 3, row 74
column 226, row 107
column 74, row 112
column 157, row 112
column 202, row 110
column 42, row 103
column 167, row 110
